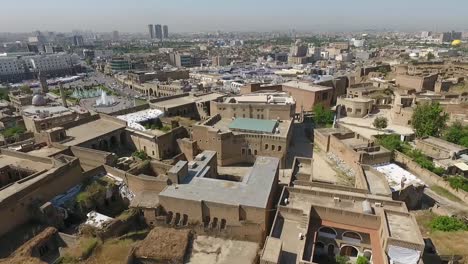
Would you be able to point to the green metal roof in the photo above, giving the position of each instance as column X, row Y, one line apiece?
column 253, row 125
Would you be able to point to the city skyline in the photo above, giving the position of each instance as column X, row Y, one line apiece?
column 242, row 16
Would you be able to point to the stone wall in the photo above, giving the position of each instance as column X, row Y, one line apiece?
column 427, row 176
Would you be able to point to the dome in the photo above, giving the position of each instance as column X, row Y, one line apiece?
column 38, row 100
column 456, row 42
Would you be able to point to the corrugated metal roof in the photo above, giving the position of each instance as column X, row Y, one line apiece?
column 255, row 125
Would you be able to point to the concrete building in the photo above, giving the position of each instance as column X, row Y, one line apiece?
column 354, row 107
column 321, row 221
column 15, row 69
column 306, row 94
column 193, row 194
column 38, row 118
column 192, row 105
column 243, row 139
column 165, row 32
column 158, row 34
column 151, row 31
column 419, row 83
column 272, row 106
column 29, row 181
column 183, row 60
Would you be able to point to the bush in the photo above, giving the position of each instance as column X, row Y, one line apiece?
column 458, row 182
column 448, row 224
column 380, row 122
column 362, row 260
column 391, row 142
column 342, row 259
column 141, row 155
column 13, row 131
column 322, row 116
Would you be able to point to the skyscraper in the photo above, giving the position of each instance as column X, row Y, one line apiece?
column 115, row 35
column 151, row 31
column 166, row 31
column 158, row 31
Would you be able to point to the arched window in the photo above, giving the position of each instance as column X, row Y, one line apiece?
column 279, row 148
column 266, row 146
column 349, row 251
column 327, row 232
column 352, row 235
column 272, row 147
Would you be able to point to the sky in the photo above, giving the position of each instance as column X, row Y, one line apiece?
column 232, row 15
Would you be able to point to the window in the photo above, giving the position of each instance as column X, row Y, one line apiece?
column 358, row 110
column 250, row 152
column 243, row 151
column 272, row 147
column 349, row 109
column 325, row 96
column 266, row 146
column 279, row 148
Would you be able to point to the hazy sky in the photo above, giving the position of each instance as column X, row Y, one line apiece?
column 239, row 15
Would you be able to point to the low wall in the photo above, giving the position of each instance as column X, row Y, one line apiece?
column 427, row 176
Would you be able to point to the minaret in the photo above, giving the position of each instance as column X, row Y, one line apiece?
column 63, row 95
column 43, row 82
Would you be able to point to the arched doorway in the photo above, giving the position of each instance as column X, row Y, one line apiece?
column 123, row 138
column 349, row 251
column 113, row 142
column 331, row 250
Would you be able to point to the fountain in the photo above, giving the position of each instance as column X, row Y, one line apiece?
column 104, row 100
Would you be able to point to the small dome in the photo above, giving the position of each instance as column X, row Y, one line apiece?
column 38, row 100
column 456, row 43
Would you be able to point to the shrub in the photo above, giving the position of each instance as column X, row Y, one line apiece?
column 458, row 182
column 141, row 155
column 362, row 260
column 448, row 224
column 341, row 259
column 380, row 122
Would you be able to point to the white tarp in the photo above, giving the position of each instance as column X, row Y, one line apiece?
column 97, row 220
column 134, row 119
column 403, row 255
column 396, row 174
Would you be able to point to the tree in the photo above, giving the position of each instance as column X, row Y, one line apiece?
column 26, row 89
column 429, row 119
column 322, row 115
column 341, row 259
column 448, row 224
column 380, row 122
column 362, row 260
column 430, row 56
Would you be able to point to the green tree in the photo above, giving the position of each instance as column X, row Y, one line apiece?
column 429, row 119
column 380, row 122
column 141, row 155
column 362, row 260
column 448, row 224
column 430, row 56
column 341, row 259
column 26, row 89
column 322, row 115
column 391, row 142
column 455, row 132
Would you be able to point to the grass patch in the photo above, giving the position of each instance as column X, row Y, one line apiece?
column 447, row 243
column 445, row 193
column 112, row 251
column 13, row 131
column 82, row 250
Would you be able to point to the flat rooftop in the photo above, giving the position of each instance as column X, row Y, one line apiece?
column 280, row 98
column 224, row 124
column 189, row 99
column 253, row 125
column 91, row 130
column 377, row 182
column 254, row 190
column 306, row 86
column 402, row 226
column 29, row 164
column 443, row 144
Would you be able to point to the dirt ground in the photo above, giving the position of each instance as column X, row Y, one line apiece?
column 446, row 243
column 211, row 250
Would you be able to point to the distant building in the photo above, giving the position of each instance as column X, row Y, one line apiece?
column 78, row 41
column 158, row 31
column 165, row 31
column 115, row 35
column 118, row 64
column 151, row 31
column 183, row 60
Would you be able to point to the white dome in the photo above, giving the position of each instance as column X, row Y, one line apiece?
column 38, row 100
